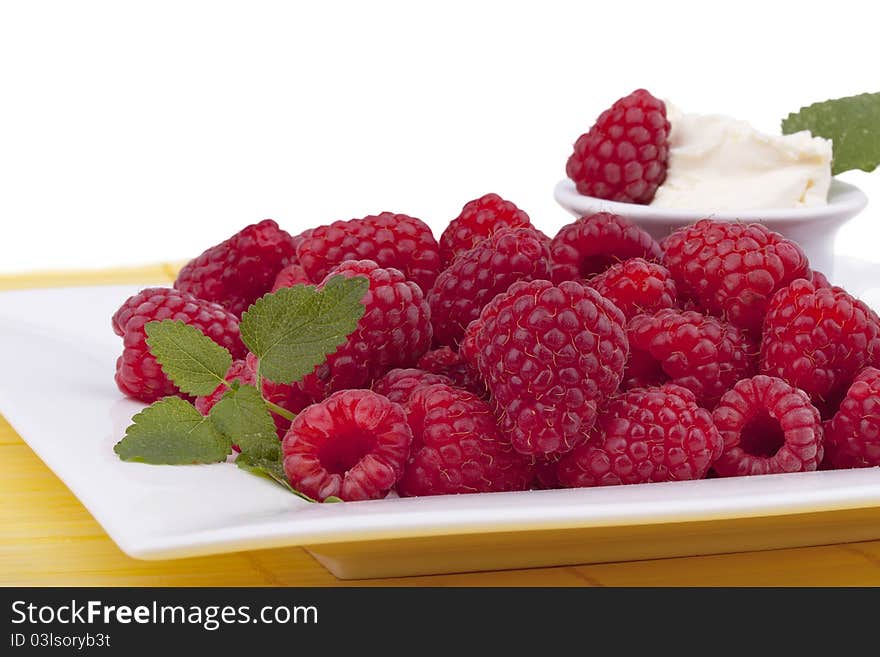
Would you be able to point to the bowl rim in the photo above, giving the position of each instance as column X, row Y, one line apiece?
column 844, row 200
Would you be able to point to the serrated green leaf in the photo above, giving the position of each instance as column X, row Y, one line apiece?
column 195, row 363
column 293, row 330
column 241, row 415
column 172, row 432
column 852, row 124
column 270, row 469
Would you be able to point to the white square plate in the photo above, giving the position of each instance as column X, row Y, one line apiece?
column 57, row 353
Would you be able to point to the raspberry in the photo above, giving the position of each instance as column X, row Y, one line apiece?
column 238, row 371
column 624, row 155
column 818, row 340
column 549, row 355
column 289, row 397
column 450, row 364
column 138, row 375
column 700, row 353
column 399, row 384
column 768, row 427
column 645, row 435
column 353, row 445
column 476, row 276
column 479, row 219
column 289, row 276
column 636, row 286
column 390, row 240
column 237, row 272
column 294, row 397
column 594, row 242
column 457, row 447
column 394, row 331
column 733, row 269
column 852, row 436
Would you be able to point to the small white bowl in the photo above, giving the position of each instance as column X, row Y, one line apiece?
column 813, row 228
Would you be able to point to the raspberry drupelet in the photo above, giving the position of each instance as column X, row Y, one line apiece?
column 289, row 276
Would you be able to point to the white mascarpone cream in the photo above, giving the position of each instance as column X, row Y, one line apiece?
column 717, row 163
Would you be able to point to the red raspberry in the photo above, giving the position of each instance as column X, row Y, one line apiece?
column 549, row 355
column 645, row 435
column 138, row 375
column 768, row 427
column 394, row 331
column 636, row 286
column 449, row 363
column 353, row 445
column 479, row 219
column 700, row 353
column 289, row 276
column 624, row 155
column 594, row 242
column 476, row 276
column 818, row 340
column 391, row 240
column 852, row 436
column 294, row 397
column 732, row 269
column 237, row 272
column 399, row 384
column 457, row 447
column 289, row 397
column 238, row 371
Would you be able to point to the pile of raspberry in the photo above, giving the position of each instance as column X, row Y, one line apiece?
column 499, row 359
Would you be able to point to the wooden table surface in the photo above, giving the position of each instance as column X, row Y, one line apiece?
column 47, row 538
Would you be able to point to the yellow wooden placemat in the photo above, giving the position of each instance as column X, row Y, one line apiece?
column 47, row 538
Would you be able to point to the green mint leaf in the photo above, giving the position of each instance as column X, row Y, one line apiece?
column 270, row 469
column 195, row 363
column 851, row 123
column 172, row 432
column 293, row 330
column 241, row 415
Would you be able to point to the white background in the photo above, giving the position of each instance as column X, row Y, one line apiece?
column 140, row 132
